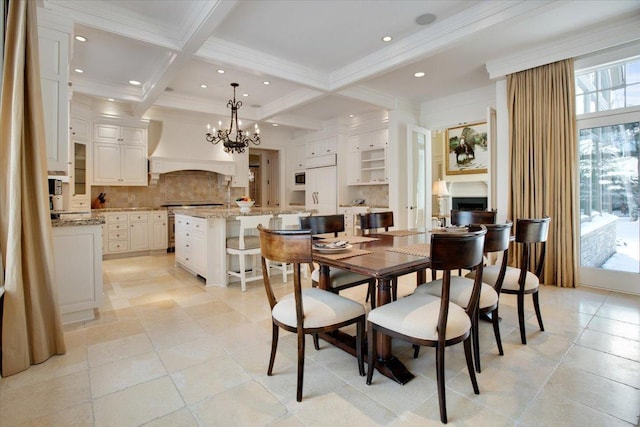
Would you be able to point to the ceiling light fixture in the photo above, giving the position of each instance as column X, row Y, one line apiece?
column 245, row 94
column 81, row 38
column 426, row 19
column 266, row 83
column 220, row 71
column 79, row 70
column 275, row 125
column 387, row 38
column 203, row 86
column 419, row 74
column 242, row 138
column 135, row 82
column 111, row 99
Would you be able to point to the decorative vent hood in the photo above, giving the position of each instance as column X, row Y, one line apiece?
column 181, row 146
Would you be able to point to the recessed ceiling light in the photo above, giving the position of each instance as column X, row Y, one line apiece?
column 425, row 19
column 387, row 38
column 203, row 86
column 111, row 99
column 245, row 94
column 419, row 74
column 350, row 115
column 275, row 125
column 266, row 83
column 81, row 38
column 220, row 71
column 135, row 82
column 79, row 70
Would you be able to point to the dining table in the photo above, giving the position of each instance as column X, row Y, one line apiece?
column 384, row 257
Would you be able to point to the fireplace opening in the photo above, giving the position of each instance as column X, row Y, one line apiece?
column 469, row 203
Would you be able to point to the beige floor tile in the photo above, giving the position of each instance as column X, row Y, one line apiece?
column 622, row 347
column 34, row 401
column 179, row 418
column 255, row 359
column 288, row 420
column 615, row 327
column 248, row 404
column 118, row 349
column 549, row 409
column 203, row 381
column 242, row 336
column 77, row 416
column 604, row 395
column 125, row 373
column 111, row 331
column 621, row 309
column 137, row 405
column 190, row 353
column 169, row 334
column 615, row 368
column 218, row 323
column 206, row 309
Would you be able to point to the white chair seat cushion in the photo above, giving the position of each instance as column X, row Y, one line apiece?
column 321, row 308
column 417, row 316
column 490, row 275
column 339, row 278
column 460, row 291
column 250, row 242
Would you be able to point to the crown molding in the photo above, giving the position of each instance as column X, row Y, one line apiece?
column 218, row 51
column 433, row 39
column 594, row 39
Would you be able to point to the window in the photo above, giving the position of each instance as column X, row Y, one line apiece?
column 608, row 87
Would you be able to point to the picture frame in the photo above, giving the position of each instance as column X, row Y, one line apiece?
column 466, row 149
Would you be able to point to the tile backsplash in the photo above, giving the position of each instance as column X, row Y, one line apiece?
column 176, row 187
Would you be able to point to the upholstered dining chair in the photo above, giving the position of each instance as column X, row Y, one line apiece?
column 247, row 243
column 289, row 221
column 531, row 236
column 305, row 311
column 370, row 223
column 496, row 240
column 338, row 279
column 461, row 217
column 427, row 320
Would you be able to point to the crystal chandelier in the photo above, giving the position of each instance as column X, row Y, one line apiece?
column 242, row 138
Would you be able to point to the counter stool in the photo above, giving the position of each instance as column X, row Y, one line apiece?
column 247, row 243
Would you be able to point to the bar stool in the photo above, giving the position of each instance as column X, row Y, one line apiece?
column 247, row 243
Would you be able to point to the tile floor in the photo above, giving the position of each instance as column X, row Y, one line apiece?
column 166, row 351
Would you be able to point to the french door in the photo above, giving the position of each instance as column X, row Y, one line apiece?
column 418, row 177
column 609, row 167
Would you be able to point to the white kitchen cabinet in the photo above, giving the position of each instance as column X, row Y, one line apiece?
column 119, row 155
column 322, row 147
column 367, row 158
column 135, row 233
column 354, row 175
column 80, row 135
column 78, row 264
column 159, row 231
column 54, row 81
column 80, row 128
column 321, row 190
column 351, row 220
column 241, row 177
column 191, row 243
column 298, row 157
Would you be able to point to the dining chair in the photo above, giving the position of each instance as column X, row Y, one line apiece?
column 496, row 241
column 370, row 223
column 289, row 222
column 531, row 236
column 427, row 320
column 247, row 243
column 305, row 311
column 338, row 279
column 461, row 217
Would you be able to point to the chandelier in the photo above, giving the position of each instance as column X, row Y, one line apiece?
column 242, row 138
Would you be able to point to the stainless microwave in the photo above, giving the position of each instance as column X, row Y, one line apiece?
column 300, row 178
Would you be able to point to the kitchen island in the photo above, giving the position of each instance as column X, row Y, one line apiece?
column 201, row 238
column 77, row 246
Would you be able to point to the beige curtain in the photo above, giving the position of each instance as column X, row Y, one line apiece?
column 31, row 327
column 543, row 141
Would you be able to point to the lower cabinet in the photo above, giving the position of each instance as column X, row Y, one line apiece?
column 191, row 243
column 78, row 263
column 134, row 233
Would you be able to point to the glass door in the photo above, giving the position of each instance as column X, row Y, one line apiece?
column 610, row 202
column 418, row 178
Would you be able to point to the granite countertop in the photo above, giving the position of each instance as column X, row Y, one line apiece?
column 234, row 212
column 128, row 209
column 77, row 219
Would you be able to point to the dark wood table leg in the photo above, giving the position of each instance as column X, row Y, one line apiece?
column 323, row 282
column 387, row 364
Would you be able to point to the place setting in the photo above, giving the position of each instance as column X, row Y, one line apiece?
column 338, row 249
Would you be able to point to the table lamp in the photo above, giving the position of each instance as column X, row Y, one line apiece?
column 440, row 190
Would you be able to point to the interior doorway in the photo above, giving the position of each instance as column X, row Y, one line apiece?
column 264, row 177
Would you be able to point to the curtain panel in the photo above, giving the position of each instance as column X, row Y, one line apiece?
column 31, row 326
column 543, row 156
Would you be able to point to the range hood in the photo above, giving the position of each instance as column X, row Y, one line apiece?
column 181, row 146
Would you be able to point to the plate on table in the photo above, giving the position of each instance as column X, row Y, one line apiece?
column 328, row 249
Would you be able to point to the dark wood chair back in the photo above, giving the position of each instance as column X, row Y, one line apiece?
column 532, row 233
column 290, row 246
column 472, row 217
column 323, row 224
column 451, row 251
column 372, row 221
column 497, row 239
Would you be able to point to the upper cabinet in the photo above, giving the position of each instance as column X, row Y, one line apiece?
column 80, row 134
column 367, row 158
column 54, row 80
column 119, row 155
column 321, row 147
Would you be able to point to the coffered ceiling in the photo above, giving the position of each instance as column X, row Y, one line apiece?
column 322, row 59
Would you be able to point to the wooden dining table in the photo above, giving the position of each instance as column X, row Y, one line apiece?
column 382, row 262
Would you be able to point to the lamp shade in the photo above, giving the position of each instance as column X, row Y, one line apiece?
column 440, row 188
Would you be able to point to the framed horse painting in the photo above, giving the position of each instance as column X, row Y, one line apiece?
column 467, row 149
